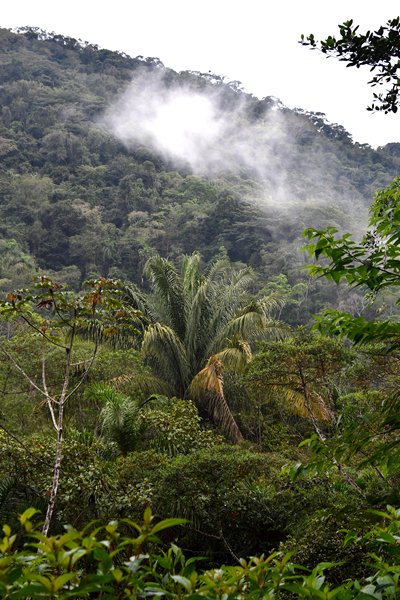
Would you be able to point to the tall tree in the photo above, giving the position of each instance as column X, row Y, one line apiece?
column 200, row 323
column 56, row 317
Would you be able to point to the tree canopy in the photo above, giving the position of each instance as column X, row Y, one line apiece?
column 378, row 49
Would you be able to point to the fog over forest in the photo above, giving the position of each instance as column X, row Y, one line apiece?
column 184, row 383
column 191, row 125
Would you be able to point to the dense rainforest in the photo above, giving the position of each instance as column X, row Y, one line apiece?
column 167, row 408
column 81, row 201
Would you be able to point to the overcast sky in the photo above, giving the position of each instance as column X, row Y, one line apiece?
column 253, row 41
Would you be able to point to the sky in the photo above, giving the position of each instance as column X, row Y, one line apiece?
column 253, row 41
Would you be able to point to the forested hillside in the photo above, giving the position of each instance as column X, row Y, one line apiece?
column 81, row 201
column 167, row 408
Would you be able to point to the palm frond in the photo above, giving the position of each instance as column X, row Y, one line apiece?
column 162, row 344
column 130, row 328
column 273, row 303
column 229, row 298
column 198, row 324
column 250, row 323
column 209, row 379
column 274, row 330
column 312, row 407
column 236, row 355
column 146, row 383
column 191, row 275
column 119, row 416
column 209, row 384
column 218, row 268
column 134, row 298
column 100, row 393
column 167, row 285
column 234, row 287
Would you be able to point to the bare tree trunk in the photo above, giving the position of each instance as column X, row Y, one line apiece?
column 56, row 473
column 58, row 457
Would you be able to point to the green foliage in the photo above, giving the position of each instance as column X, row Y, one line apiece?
column 107, row 562
column 56, row 316
column 174, row 428
column 96, row 479
column 16, row 267
column 235, row 500
column 213, row 489
column 378, row 49
column 54, row 312
column 85, row 477
column 169, row 426
column 301, row 374
column 77, row 203
column 374, row 262
column 80, row 204
column 119, row 416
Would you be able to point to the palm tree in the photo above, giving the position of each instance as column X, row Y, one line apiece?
column 200, row 323
column 119, row 416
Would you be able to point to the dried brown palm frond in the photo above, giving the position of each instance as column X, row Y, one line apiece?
column 209, row 383
column 310, row 405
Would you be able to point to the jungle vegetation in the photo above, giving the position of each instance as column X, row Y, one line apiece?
column 168, row 408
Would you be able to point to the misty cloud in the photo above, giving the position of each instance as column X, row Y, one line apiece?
column 191, row 127
column 209, row 129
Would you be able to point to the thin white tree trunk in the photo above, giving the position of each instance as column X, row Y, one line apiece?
column 58, row 457
column 56, row 473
